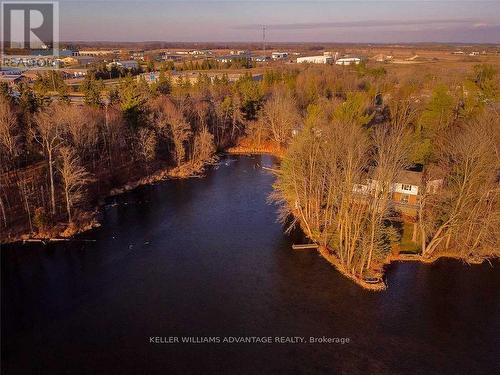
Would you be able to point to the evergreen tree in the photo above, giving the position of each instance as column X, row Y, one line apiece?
column 91, row 89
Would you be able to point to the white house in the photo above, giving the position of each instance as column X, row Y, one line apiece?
column 324, row 59
column 348, row 61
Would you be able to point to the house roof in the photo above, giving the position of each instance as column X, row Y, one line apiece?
column 409, row 177
column 403, row 176
column 434, row 172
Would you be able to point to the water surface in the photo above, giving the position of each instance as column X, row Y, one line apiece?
column 205, row 257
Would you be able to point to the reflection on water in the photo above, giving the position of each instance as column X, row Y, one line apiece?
column 205, row 257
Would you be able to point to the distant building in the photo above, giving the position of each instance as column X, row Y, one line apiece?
column 348, row 61
column 73, row 73
column 68, row 52
column 279, row 55
column 77, row 60
column 261, row 58
column 323, row 59
column 475, row 53
column 127, row 64
column 137, row 55
column 240, row 53
column 382, row 58
column 165, row 56
column 96, row 53
column 200, row 52
column 231, row 58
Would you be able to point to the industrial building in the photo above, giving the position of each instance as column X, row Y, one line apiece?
column 322, row 59
column 279, row 55
column 348, row 61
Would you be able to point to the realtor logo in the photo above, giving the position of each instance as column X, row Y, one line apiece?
column 30, row 28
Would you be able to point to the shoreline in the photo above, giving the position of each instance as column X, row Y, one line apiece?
column 335, row 262
column 188, row 171
column 91, row 218
column 330, row 257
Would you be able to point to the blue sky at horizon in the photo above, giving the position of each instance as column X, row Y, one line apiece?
column 404, row 21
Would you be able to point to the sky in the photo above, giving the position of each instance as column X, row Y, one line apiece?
column 398, row 21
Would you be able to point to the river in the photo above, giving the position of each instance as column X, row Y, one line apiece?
column 206, row 257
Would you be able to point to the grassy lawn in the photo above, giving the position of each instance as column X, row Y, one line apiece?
column 406, row 244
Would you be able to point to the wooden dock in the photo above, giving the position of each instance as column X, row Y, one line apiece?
column 307, row 246
column 47, row 240
column 269, row 169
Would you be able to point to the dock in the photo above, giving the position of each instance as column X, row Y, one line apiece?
column 307, row 246
column 44, row 241
column 270, row 169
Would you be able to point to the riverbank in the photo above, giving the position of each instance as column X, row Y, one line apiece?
column 246, row 146
column 377, row 272
column 335, row 262
column 156, row 257
column 432, row 259
column 331, row 258
column 89, row 219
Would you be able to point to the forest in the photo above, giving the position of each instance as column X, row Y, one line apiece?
column 334, row 128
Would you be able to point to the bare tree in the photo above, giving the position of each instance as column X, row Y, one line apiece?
column 49, row 134
column 74, row 178
column 203, row 147
column 468, row 205
column 169, row 121
column 258, row 132
column 391, row 150
column 82, row 125
column 326, row 183
column 9, row 134
column 115, row 133
column 146, row 142
column 281, row 116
